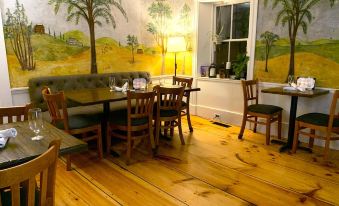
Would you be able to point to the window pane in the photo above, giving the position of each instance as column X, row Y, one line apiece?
column 223, row 21
column 237, row 48
column 221, row 54
column 241, row 15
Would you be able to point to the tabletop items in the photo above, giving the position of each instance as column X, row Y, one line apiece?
column 5, row 135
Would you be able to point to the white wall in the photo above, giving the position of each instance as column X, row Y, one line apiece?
column 5, row 92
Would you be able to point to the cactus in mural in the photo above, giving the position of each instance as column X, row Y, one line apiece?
column 268, row 38
column 91, row 11
column 19, row 32
column 161, row 13
column 132, row 42
column 294, row 13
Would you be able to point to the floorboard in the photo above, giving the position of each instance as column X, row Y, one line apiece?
column 213, row 168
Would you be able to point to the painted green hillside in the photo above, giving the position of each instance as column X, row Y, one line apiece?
column 78, row 35
column 322, row 47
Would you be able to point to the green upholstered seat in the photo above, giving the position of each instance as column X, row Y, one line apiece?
column 120, row 118
column 264, row 108
column 80, row 121
column 183, row 104
column 317, row 119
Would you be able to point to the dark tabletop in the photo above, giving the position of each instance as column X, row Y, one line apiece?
column 22, row 149
column 307, row 93
column 102, row 95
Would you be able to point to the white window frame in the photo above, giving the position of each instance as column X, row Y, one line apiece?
column 250, row 49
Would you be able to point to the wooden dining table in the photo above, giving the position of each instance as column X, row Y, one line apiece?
column 104, row 96
column 22, row 148
column 295, row 94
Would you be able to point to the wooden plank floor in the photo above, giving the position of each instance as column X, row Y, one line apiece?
column 213, row 168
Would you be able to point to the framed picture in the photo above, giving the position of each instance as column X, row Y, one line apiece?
column 204, row 71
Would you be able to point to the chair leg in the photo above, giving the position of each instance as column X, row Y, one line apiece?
column 255, row 124
column 99, row 142
column 180, row 132
column 311, row 140
column 279, row 125
column 327, row 145
column 172, row 129
column 243, row 124
column 295, row 138
column 166, row 129
column 68, row 162
column 189, row 118
column 129, row 148
column 268, row 130
column 157, row 131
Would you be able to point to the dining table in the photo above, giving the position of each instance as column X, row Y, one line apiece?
column 104, row 96
column 295, row 94
column 22, row 148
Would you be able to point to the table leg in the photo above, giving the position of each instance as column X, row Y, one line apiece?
column 291, row 124
column 104, row 123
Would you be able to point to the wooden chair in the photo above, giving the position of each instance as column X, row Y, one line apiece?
column 14, row 114
column 136, row 121
column 19, row 183
column 168, row 109
column 185, row 104
column 254, row 111
column 87, row 126
column 327, row 124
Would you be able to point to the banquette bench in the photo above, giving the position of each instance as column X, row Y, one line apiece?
column 76, row 82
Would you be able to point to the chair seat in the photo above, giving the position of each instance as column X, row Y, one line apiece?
column 80, row 121
column 183, row 104
column 317, row 119
column 120, row 118
column 264, row 108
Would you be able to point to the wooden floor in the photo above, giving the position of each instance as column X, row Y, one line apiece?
column 213, row 168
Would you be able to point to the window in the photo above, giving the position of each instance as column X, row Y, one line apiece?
column 232, row 30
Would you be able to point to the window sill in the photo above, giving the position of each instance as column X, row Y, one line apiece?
column 225, row 80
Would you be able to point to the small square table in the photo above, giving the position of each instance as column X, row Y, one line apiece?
column 293, row 109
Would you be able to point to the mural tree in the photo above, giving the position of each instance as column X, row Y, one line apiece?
column 268, row 38
column 91, row 11
column 294, row 13
column 19, row 32
column 185, row 18
column 161, row 13
column 132, row 42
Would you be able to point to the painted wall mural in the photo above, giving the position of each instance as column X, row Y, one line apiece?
column 59, row 37
column 305, row 43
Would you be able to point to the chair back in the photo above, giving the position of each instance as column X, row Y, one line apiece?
column 57, row 107
column 143, row 107
column 333, row 114
column 25, row 175
column 250, row 91
column 14, row 114
column 184, row 82
column 169, row 98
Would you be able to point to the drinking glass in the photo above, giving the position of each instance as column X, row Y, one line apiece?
column 35, row 122
column 124, row 81
column 290, row 79
column 111, row 82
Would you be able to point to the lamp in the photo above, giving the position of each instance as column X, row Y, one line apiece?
column 176, row 44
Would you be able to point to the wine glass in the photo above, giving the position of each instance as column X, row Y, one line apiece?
column 111, row 82
column 35, row 122
column 290, row 79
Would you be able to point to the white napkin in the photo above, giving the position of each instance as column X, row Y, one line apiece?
column 300, row 88
column 5, row 135
column 123, row 88
column 306, row 82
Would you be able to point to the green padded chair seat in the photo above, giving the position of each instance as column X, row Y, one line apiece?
column 79, row 121
column 183, row 104
column 317, row 119
column 120, row 118
column 264, row 108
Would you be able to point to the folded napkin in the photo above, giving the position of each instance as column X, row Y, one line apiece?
column 5, row 135
column 298, row 87
column 123, row 88
column 290, row 88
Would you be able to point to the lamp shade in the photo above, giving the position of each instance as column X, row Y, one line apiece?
column 176, row 44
